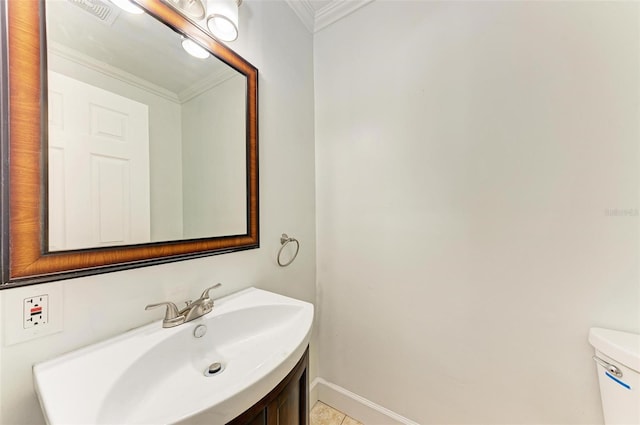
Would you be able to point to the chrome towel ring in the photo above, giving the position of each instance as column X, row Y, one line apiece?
column 284, row 240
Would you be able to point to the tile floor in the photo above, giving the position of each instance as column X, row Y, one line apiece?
column 322, row 414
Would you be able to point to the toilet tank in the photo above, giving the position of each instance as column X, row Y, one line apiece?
column 617, row 356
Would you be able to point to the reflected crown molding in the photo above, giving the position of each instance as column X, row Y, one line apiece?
column 315, row 19
column 79, row 58
column 207, row 83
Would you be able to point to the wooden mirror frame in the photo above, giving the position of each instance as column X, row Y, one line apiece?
column 25, row 255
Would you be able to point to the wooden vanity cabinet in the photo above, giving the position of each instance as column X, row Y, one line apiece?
column 286, row 404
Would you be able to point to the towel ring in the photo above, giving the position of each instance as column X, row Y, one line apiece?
column 284, row 240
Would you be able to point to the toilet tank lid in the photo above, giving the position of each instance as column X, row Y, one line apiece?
column 623, row 347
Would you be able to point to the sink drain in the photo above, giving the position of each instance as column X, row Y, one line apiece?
column 213, row 369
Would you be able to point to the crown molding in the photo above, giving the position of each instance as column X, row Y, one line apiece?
column 207, row 84
column 335, row 11
column 110, row 71
column 315, row 20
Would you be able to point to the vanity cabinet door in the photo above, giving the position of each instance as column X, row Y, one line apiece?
column 289, row 407
column 260, row 419
column 286, row 404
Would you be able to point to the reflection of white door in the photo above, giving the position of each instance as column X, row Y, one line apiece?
column 98, row 167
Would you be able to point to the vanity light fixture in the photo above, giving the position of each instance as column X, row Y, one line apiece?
column 194, row 49
column 128, row 6
column 222, row 18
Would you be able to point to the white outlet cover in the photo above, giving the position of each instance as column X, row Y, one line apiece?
column 35, row 311
column 13, row 312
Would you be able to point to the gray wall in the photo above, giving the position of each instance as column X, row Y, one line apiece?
column 467, row 154
column 214, row 155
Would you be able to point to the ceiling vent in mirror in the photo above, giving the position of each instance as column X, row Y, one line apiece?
column 101, row 10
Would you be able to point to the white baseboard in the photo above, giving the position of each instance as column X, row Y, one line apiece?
column 353, row 405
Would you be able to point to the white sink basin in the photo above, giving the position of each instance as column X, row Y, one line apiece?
column 153, row 375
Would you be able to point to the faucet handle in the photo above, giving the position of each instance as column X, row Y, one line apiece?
column 171, row 316
column 205, row 294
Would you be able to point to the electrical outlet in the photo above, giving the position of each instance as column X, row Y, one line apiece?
column 36, row 311
column 31, row 312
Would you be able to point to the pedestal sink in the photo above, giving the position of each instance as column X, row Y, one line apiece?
column 153, row 375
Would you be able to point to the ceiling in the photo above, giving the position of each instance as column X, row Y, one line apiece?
column 318, row 14
column 139, row 45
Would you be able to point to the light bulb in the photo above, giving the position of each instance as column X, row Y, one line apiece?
column 221, row 27
column 222, row 20
column 194, row 49
column 128, row 6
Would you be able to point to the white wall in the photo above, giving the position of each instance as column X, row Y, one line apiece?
column 466, row 155
column 165, row 147
column 101, row 306
column 214, row 155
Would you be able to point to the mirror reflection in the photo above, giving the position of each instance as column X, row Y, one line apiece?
column 146, row 143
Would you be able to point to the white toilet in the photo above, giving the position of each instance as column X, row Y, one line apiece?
column 618, row 363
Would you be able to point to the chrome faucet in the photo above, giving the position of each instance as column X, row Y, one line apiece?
column 193, row 310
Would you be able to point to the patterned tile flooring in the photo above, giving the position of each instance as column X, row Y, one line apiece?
column 322, row 414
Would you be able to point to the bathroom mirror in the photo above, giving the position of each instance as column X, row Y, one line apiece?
column 123, row 150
